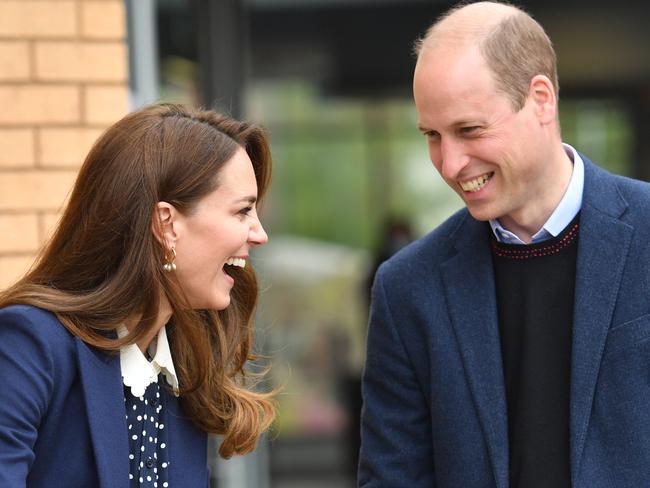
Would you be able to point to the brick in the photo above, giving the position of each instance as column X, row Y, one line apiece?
column 38, row 19
column 38, row 104
column 105, row 104
column 34, row 190
column 19, row 233
column 66, row 146
column 12, row 268
column 17, row 147
column 103, row 20
column 75, row 61
column 14, row 61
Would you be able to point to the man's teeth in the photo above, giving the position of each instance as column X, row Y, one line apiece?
column 476, row 184
column 241, row 262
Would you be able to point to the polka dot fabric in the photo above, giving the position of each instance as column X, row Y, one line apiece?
column 148, row 452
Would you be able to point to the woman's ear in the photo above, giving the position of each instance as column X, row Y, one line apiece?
column 163, row 222
column 542, row 93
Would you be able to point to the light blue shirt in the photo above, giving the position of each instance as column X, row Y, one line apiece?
column 563, row 214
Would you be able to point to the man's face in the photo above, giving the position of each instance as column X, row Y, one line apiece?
column 488, row 153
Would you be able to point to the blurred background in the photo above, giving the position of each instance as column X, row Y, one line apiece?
column 352, row 183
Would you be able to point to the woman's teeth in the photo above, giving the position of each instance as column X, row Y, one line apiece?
column 241, row 262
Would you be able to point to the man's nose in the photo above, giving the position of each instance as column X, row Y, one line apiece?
column 453, row 158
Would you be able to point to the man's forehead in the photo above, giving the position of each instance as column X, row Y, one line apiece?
column 457, row 101
column 446, row 57
column 457, row 73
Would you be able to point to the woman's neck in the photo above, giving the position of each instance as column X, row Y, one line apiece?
column 164, row 314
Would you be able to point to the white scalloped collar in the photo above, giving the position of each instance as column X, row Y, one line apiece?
column 138, row 372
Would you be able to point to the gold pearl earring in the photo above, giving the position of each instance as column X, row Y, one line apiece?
column 170, row 265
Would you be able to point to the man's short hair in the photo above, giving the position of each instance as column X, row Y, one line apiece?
column 516, row 49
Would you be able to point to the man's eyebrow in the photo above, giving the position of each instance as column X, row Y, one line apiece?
column 454, row 125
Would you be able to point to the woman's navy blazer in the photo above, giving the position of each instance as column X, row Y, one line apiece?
column 62, row 417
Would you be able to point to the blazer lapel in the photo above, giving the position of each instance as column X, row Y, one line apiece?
column 104, row 394
column 470, row 291
column 188, row 447
column 602, row 251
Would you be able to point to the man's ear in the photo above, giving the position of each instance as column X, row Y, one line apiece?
column 542, row 93
column 163, row 224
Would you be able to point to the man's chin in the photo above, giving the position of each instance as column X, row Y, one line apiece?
column 482, row 213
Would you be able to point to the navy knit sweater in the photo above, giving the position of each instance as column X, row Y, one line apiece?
column 535, row 287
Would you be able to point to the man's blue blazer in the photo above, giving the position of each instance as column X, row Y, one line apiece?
column 62, row 417
column 434, row 410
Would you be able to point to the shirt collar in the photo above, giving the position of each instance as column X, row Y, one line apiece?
column 138, row 372
column 563, row 214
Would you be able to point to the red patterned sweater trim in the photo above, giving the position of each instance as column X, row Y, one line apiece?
column 527, row 252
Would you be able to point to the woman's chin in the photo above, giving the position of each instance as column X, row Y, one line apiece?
column 220, row 302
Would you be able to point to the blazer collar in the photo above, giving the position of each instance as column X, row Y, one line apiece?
column 104, row 395
column 187, row 447
column 470, row 292
column 603, row 247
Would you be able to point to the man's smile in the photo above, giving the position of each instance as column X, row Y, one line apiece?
column 476, row 184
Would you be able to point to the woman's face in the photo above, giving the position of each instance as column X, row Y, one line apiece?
column 218, row 235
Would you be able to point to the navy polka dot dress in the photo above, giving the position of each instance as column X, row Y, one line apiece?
column 148, row 452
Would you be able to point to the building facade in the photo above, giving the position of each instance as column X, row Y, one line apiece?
column 63, row 79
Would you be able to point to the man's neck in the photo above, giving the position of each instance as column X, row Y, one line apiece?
column 527, row 222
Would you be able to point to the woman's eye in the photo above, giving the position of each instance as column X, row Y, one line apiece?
column 246, row 211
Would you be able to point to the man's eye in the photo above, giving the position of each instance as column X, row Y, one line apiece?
column 469, row 130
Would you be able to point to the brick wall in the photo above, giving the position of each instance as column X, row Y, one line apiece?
column 63, row 79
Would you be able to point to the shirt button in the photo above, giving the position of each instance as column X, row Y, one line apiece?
column 154, row 402
column 149, row 463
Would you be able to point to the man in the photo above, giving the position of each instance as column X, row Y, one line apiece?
column 510, row 346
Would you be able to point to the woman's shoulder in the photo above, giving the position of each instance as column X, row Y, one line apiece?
column 33, row 323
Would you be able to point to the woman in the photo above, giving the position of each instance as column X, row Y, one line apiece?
column 126, row 342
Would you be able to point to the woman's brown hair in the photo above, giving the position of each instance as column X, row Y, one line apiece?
column 103, row 265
